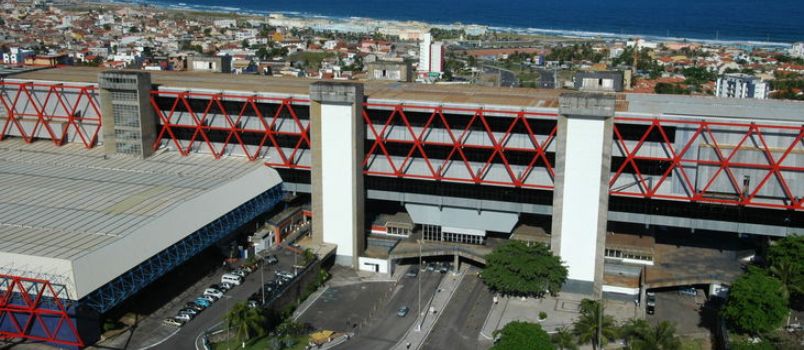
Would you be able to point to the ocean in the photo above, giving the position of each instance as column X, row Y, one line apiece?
column 757, row 21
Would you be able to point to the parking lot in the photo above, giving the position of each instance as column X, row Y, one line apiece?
column 152, row 332
column 685, row 311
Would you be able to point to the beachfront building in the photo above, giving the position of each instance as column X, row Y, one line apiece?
column 431, row 58
column 738, row 85
column 797, row 50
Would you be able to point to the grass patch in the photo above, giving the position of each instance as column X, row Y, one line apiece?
column 694, row 344
column 311, row 59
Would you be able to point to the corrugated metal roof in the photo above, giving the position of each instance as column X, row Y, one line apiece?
column 65, row 202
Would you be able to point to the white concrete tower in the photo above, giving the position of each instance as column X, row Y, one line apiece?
column 425, row 45
column 337, row 134
column 581, row 198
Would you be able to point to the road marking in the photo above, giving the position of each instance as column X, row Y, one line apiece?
column 163, row 340
column 326, row 287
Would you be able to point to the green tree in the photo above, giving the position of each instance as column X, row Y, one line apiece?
column 520, row 269
column 757, row 302
column 207, row 31
column 472, row 61
column 520, row 335
column 786, row 262
column 669, row 88
column 564, row 340
column 639, row 335
column 593, row 325
column 246, row 321
column 245, row 44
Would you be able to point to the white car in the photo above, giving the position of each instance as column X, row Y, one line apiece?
column 172, row 322
column 213, row 293
column 183, row 317
column 240, row 272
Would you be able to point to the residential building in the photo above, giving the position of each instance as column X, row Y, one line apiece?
column 390, row 71
column 217, row 64
column 599, row 81
column 738, row 85
column 797, row 50
column 16, row 56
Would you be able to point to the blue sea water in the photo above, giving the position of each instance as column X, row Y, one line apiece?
column 780, row 21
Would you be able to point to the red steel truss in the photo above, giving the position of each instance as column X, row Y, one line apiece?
column 48, row 104
column 247, row 107
column 31, row 309
column 499, row 147
column 677, row 157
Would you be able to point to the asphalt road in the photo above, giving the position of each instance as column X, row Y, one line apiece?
column 385, row 328
column 189, row 333
column 151, row 333
column 461, row 322
column 507, row 77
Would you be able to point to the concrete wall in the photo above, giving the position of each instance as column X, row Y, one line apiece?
column 337, row 178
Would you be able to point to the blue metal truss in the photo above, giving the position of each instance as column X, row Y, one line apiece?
column 132, row 281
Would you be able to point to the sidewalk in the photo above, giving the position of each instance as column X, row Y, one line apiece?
column 562, row 311
column 416, row 337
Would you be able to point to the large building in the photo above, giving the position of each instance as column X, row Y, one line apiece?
column 431, row 57
column 626, row 188
column 739, row 85
column 797, row 50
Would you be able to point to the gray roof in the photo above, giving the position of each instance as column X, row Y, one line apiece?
column 67, row 201
column 80, row 219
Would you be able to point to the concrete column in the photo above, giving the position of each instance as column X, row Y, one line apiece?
column 337, row 135
column 580, row 199
column 129, row 123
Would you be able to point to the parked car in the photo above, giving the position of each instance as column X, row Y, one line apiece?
column 650, row 309
column 412, row 272
column 285, row 274
column 403, row 311
column 223, row 287
column 194, row 306
column 443, row 269
column 213, row 293
column 211, row 298
column 691, row 291
column 173, row 322
column 650, row 303
column 188, row 310
column 271, row 260
column 203, row 302
column 183, row 317
column 253, row 304
column 232, row 279
column 240, row 272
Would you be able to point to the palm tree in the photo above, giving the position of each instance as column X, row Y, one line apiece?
column 787, row 271
column 639, row 335
column 246, row 321
column 594, row 325
column 564, row 340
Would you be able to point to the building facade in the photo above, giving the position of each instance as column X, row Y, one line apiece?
column 740, row 85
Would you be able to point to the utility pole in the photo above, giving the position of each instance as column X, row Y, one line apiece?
column 262, row 282
column 419, row 274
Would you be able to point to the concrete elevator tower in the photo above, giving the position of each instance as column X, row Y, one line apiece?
column 129, row 124
column 581, row 198
column 337, row 135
